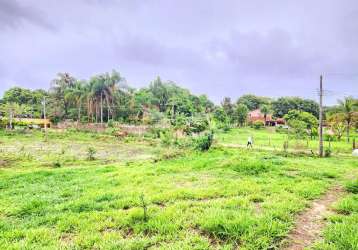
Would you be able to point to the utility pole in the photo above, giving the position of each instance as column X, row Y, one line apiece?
column 45, row 122
column 321, row 116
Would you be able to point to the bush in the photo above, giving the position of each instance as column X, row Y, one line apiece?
column 203, row 143
column 258, row 125
column 166, row 137
column 327, row 152
column 111, row 124
column 196, row 125
column 91, row 153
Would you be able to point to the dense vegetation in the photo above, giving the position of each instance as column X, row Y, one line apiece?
column 107, row 97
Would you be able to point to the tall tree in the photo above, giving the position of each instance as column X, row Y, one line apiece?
column 241, row 114
column 60, row 84
column 348, row 106
column 228, row 107
column 253, row 102
column 75, row 95
column 160, row 92
column 283, row 105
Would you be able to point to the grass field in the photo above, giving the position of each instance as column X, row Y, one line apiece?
column 132, row 197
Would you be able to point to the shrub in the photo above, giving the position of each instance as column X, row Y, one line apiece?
column 204, row 142
column 327, row 152
column 166, row 137
column 56, row 164
column 258, row 125
column 91, row 153
column 196, row 125
column 110, row 124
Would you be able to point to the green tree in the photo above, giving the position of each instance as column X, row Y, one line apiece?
column 18, row 95
column 59, row 86
column 348, row 106
column 228, row 107
column 283, row 105
column 76, row 95
column 298, row 119
column 220, row 115
column 265, row 109
column 253, row 102
column 160, row 93
column 241, row 114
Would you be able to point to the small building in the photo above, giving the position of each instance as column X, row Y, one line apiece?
column 257, row 115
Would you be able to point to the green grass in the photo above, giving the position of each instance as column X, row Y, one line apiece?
column 342, row 231
column 268, row 139
column 223, row 198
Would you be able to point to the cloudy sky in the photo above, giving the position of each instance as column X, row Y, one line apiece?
column 219, row 48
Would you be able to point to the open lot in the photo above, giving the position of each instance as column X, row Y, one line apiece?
column 131, row 197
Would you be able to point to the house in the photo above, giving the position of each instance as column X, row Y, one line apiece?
column 257, row 115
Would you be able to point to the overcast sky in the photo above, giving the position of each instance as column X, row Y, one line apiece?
column 219, row 48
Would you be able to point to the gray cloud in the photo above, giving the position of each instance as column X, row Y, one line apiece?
column 220, row 48
column 13, row 14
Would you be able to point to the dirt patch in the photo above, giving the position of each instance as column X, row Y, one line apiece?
column 310, row 222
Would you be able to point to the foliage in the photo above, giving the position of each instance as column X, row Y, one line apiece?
column 220, row 115
column 204, row 142
column 228, row 107
column 265, row 109
column 241, row 114
column 349, row 107
column 338, row 129
column 91, row 152
column 258, row 124
column 166, row 137
column 283, row 105
column 253, row 102
column 327, row 152
column 196, row 124
column 298, row 127
column 301, row 122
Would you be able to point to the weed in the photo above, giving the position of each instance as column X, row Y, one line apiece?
column 144, row 207
column 352, row 186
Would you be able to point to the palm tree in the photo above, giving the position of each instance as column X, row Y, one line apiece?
column 75, row 95
column 59, row 86
column 265, row 110
column 348, row 105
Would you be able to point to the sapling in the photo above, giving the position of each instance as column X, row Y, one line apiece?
column 144, row 206
column 91, row 153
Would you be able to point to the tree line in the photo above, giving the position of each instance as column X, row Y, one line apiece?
column 107, row 97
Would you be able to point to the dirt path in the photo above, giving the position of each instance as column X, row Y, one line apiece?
column 310, row 222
